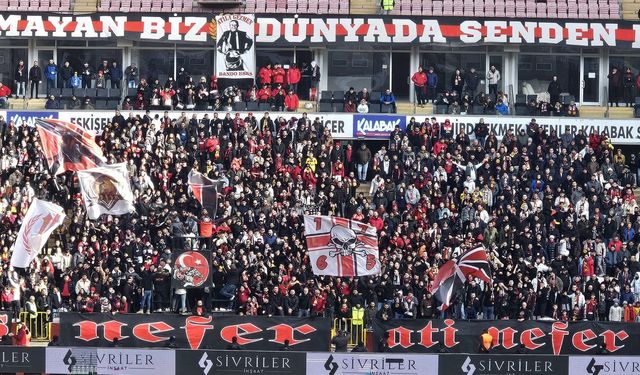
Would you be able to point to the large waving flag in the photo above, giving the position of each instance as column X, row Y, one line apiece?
column 453, row 274
column 341, row 247
column 41, row 219
column 206, row 191
column 106, row 190
column 68, row 147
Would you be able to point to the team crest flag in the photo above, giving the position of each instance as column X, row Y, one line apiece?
column 106, row 190
column 41, row 220
column 191, row 269
column 68, row 147
column 341, row 247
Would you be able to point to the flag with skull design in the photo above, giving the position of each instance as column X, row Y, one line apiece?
column 341, row 247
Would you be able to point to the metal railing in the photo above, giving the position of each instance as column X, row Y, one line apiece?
column 38, row 325
column 356, row 332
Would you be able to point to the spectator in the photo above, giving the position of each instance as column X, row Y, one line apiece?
column 101, row 80
column 51, row 72
column 265, row 75
column 389, row 100
column 554, row 90
column 419, row 80
column 115, row 75
column 363, row 157
column 20, row 79
column 472, row 79
column 502, row 108
column 363, row 107
column 315, row 75
column 66, row 72
column 291, row 101
column 35, row 76
column 364, row 95
column 493, row 78
column 278, row 75
column 23, row 335
column 457, row 83
column 75, row 81
column 293, row 77
column 88, row 105
column 5, row 94
column 105, row 69
column 132, row 75
column 74, row 103
column 52, row 103
column 349, row 106
column 615, row 85
column 432, row 84
column 628, row 83
column 351, row 95
column 87, row 75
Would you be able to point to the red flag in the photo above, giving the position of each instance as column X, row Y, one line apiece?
column 68, row 147
column 475, row 263
column 206, row 191
column 447, row 282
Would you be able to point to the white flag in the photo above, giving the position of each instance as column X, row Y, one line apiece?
column 106, row 190
column 41, row 219
column 341, row 247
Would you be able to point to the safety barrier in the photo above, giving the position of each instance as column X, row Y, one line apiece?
column 38, row 325
column 374, row 126
column 356, row 332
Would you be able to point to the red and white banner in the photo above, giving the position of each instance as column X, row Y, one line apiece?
column 68, row 147
column 341, row 247
column 41, row 219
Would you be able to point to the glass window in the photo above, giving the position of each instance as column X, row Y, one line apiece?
column 9, row 58
column 444, row 65
column 154, row 63
column 536, row 71
column 77, row 57
column 358, row 69
column 14, row 42
column 197, row 63
column 264, row 57
column 622, row 62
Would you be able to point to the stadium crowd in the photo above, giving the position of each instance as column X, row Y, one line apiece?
column 556, row 212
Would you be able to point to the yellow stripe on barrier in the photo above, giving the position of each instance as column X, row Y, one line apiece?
column 38, row 325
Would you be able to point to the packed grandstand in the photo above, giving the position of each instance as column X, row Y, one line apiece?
column 309, row 176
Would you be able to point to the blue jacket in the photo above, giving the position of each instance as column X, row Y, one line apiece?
column 76, row 82
column 51, row 71
column 116, row 73
column 502, row 109
column 432, row 79
column 387, row 98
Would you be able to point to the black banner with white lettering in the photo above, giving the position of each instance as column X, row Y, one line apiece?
column 14, row 359
column 194, row 332
column 509, row 336
column 487, row 364
column 233, row 362
column 322, row 30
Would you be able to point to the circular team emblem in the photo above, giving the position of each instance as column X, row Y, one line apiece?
column 192, row 269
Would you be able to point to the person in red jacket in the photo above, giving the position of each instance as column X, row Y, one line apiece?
column 5, row 92
column 291, row 101
column 278, row 75
column 265, row 75
column 376, row 221
column 419, row 80
column 264, row 95
column 293, row 77
column 23, row 336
